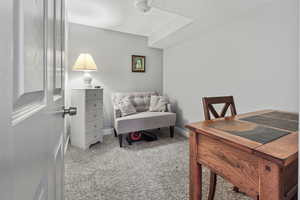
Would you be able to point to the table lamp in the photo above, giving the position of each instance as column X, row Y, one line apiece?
column 85, row 63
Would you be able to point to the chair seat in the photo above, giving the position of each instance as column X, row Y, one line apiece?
column 144, row 121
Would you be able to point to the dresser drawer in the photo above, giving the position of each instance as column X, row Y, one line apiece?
column 93, row 105
column 91, row 126
column 93, row 115
column 91, row 136
column 93, row 94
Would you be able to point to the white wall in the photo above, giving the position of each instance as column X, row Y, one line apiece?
column 254, row 58
column 112, row 53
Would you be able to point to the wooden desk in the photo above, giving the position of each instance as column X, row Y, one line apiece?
column 257, row 152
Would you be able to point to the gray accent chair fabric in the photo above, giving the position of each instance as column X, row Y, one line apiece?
column 143, row 119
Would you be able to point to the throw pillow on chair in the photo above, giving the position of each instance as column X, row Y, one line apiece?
column 158, row 104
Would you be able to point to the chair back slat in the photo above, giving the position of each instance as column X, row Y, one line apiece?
column 224, row 110
column 208, row 107
column 213, row 111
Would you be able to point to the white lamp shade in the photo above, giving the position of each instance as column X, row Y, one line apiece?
column 85, row 62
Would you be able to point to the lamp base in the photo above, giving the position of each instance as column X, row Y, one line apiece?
column 87, row 79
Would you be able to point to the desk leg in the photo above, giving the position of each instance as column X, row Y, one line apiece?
column 195, row 170
column 271, row 180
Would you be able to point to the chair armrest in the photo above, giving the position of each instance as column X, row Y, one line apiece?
column 169, row 108
column 117, row 113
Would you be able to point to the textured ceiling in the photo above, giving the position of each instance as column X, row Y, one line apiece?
column 120, row 15
column 169, row 21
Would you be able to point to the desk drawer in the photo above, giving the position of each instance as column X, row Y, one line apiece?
column 236, row 166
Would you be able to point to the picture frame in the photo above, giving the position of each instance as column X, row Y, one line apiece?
column 138, row 63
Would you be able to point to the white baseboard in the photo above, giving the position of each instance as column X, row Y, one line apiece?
column 182, row 131
column 67, row 144
column 108, row 131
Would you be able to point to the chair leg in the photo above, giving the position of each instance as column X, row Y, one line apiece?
column 121, row 140
column 171, row 131
column 212, row 185
column 115, row 132
column 236, row 189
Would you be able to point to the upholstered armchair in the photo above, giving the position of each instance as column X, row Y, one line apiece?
column 143, row 119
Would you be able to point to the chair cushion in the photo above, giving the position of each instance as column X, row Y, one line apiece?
column 144, row 121
column 140, row 100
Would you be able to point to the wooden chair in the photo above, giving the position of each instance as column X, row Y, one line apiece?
column 208, row 107
column 208, row 103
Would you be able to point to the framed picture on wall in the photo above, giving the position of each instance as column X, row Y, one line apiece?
column 138, row 63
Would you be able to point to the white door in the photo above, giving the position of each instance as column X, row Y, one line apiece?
column 32, row 99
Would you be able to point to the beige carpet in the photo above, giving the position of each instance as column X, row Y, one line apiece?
column 144, row 171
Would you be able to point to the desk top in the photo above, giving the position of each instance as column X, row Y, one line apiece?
column 269, row 134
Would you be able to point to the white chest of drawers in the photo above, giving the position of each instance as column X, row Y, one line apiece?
column 87, row 125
